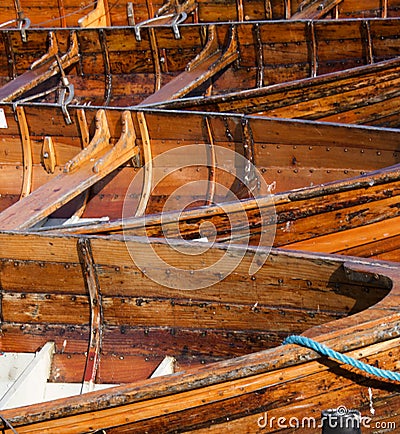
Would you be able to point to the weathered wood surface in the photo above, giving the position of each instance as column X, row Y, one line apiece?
column 72, row 13
column 211, row 61
column 313, row 291
column 283, row 154
column 116, row 69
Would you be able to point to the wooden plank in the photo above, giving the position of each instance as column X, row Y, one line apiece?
column 316, row 9
column 41, row 70
column 96, row 315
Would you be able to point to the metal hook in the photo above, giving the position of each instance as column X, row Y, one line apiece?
column 66, row 94
column 177, row 19
column 23, row 24
column 64, row 101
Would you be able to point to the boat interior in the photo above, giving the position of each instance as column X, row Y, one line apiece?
column 266, row 133
column 142, row 319
column 24, row 14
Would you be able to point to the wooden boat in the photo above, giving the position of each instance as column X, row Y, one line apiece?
column 26, row 14
column 111, row 323
column 123, row 66
column 139, row 161
column 357, row 216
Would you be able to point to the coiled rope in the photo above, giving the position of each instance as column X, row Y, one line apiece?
column 326, row 351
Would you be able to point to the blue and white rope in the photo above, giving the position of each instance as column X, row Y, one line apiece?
column 326, row 351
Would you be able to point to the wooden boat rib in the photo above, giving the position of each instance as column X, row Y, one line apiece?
column 320, row 290
column 232, row 57
column 264, row 150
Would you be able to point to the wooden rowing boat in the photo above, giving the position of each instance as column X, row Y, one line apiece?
column 124, row 66
column 308, row 204
column 100, row 13
column 141, row 160
column 112, row 323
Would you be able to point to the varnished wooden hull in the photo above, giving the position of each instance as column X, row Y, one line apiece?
column 277, row 156
column 362, row 95
column 123, row 13
column 291, row 293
